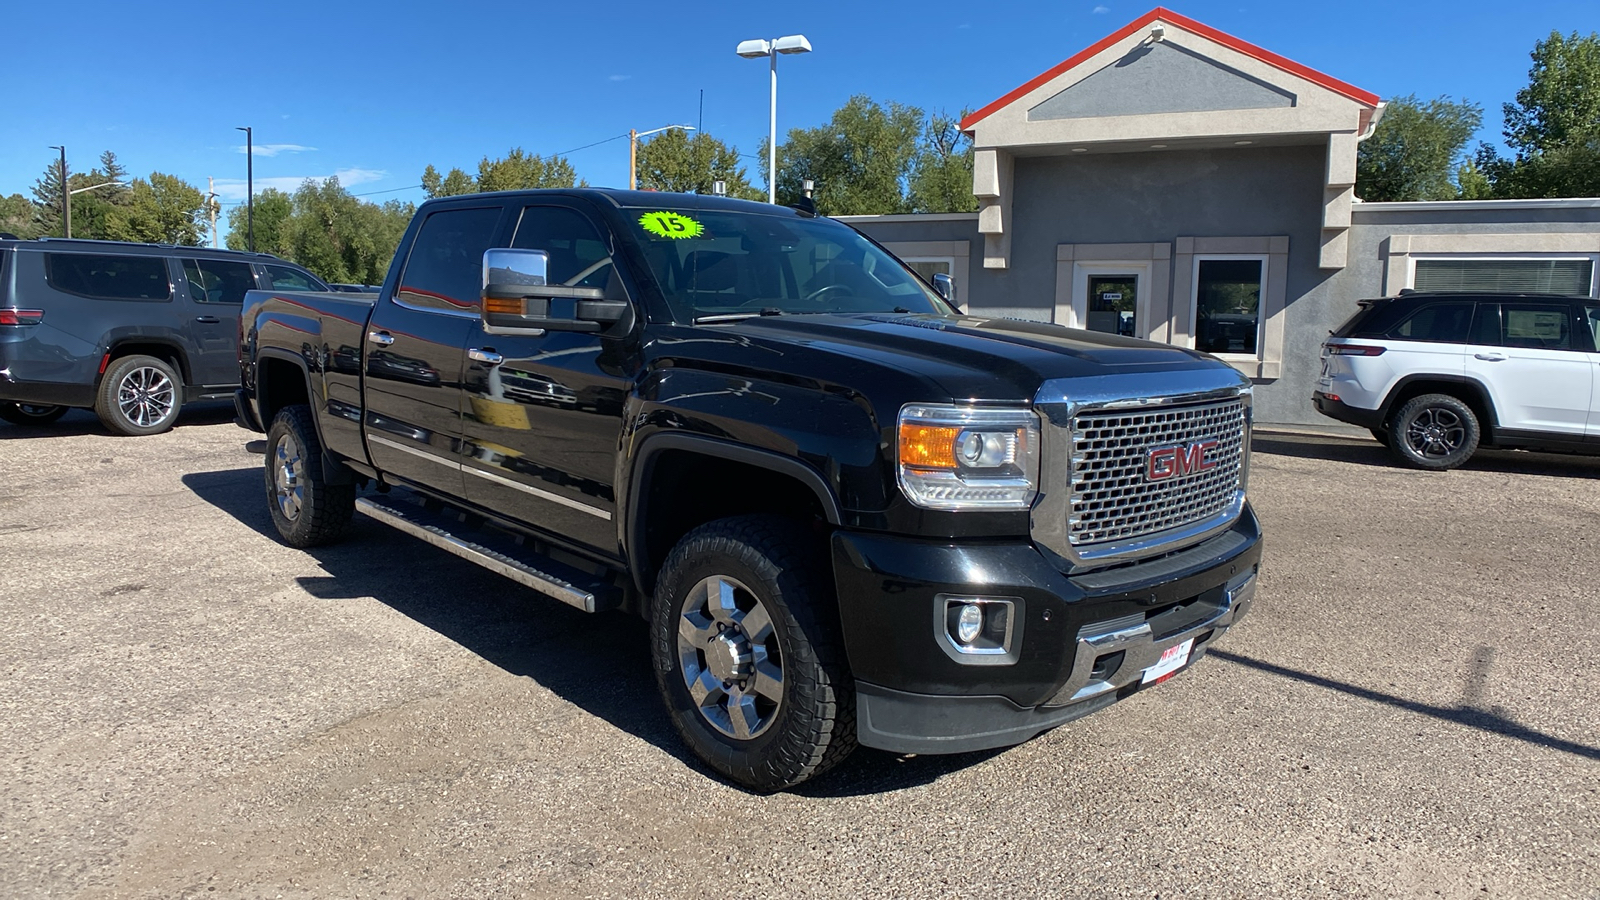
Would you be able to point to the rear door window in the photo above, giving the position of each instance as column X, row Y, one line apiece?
column 1440, row 323
column 215, row 281
column 109, row 277
column 444, row 272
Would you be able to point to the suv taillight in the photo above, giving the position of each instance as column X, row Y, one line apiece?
column 1353, row 350
column 21, row 316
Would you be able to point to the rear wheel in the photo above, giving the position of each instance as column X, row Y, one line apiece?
column 30, row 413
column 1434, row 431
column 306, row 509
column 747, row 652
column 139, row 395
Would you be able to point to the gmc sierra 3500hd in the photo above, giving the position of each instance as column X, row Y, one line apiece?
column 850, row 513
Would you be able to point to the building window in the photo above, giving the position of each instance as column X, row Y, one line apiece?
column 929, row 266
column 1572, row 276
column 1227, row 304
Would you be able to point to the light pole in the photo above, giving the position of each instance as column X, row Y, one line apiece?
column 249, row 187
column 633, row 150
column 66, row 202
column 794, row 43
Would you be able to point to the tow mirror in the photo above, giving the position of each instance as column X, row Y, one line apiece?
column 945, row 286
column 516, row 298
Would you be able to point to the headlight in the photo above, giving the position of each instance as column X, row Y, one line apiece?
column 964, row 457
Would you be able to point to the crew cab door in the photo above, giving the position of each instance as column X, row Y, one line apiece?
column 543, row 414
column 1528, row 356
column 1591, row 323
column 216, row 290
column 415, row 345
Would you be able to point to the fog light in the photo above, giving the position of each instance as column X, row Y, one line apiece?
column 969, row 624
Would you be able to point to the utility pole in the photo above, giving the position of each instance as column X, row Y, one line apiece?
column 66, row 195
column 211, row 206
column 249, row 187
column 633, row 159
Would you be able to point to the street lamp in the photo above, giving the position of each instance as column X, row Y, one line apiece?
column 633, row 150
column 100, row 185
column 66, row 203
column 794, row 43
column 249, row 187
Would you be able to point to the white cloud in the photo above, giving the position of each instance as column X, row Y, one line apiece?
column 1101, row 10
column 275, row 149
column 619, row 77
column 234, row 188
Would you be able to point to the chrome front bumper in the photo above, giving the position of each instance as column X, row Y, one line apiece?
column 1112, row 655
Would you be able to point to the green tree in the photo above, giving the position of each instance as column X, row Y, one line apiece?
column 1561, row 104
column 274, row 213
column 515, row 171
column 161, row 209
column 452, row 185
column 859, row 161
column 941, row 172
column 673, row 161
column 18, row 216
column 1416, row 150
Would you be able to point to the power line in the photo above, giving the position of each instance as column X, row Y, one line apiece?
column 409, row 187
column 595, row 144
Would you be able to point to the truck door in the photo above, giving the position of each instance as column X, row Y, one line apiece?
column 543, row 413
column 1531, row 364
column 216, row 290
column 1591, row 323
column 414, row 347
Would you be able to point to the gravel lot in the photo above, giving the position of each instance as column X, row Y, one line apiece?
column 192, row 709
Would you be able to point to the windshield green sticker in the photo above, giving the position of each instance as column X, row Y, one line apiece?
column 670, row 225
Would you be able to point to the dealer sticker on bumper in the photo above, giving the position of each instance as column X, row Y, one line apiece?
column 1173, row 659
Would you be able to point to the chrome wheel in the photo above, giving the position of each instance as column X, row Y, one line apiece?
column 1436, row 433
column 145, row 396
column 288, row 478
column 729, row 658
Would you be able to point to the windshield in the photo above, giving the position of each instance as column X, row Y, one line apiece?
column 723, row 266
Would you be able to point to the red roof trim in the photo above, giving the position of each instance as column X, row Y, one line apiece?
column 1206, row 31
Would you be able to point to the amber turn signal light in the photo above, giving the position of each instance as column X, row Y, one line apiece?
column 504, row 306
column 928, row 446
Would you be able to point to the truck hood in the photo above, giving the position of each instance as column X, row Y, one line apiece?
column 969, row 356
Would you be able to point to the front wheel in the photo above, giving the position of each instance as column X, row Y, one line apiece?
column 745, row 639
column 29, row 413
column 306, row 509
column 139, row 395
column 1434, row 431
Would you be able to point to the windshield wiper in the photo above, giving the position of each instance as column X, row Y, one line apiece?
column 735, row 317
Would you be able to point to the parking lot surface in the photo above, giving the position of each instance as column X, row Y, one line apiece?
column 192, row 709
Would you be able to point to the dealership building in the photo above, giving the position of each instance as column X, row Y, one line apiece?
column 1175, row 183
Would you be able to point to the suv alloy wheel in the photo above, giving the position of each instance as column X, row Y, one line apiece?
column 1434, row 431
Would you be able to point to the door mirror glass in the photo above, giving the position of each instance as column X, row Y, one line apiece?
column 516, row 297
column 946, row 288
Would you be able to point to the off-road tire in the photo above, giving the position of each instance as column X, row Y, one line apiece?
column 116, row 402
column 30, row 413
column 306, row 509
column 782, row 564
column 1434, row 431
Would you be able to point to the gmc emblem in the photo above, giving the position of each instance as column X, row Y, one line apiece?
column 1166, row 463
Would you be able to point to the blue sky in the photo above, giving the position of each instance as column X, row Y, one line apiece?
column 373, row 92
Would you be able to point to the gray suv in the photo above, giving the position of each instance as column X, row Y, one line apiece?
column 132, row 331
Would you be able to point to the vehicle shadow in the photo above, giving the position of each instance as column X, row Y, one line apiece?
column 1367, row 452
column 600, row 663
column 79, row 422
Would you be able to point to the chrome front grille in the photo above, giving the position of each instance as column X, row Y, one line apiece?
column 1113, row 498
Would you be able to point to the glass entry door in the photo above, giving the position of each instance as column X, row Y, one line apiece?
column 1112, row 304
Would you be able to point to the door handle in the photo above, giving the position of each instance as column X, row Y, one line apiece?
column 1490, row 357
column 381, row 338
column 486, row 356
column 208, row 320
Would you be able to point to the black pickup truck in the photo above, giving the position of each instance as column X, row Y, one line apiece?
column 850, row 513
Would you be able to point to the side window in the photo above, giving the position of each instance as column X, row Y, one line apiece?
column 1486, row 325
column 1591, row 317
column 1442, row 323
column 212, row 281
column 284, row 278
column 578, row 256
column 109, row 277
column 445, row 269
column 1538, row 326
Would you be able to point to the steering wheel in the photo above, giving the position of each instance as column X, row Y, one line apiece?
column 824, row 289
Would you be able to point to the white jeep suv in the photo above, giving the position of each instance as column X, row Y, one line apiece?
column 1436, row 375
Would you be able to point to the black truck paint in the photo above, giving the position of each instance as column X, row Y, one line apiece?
column 605, row 450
